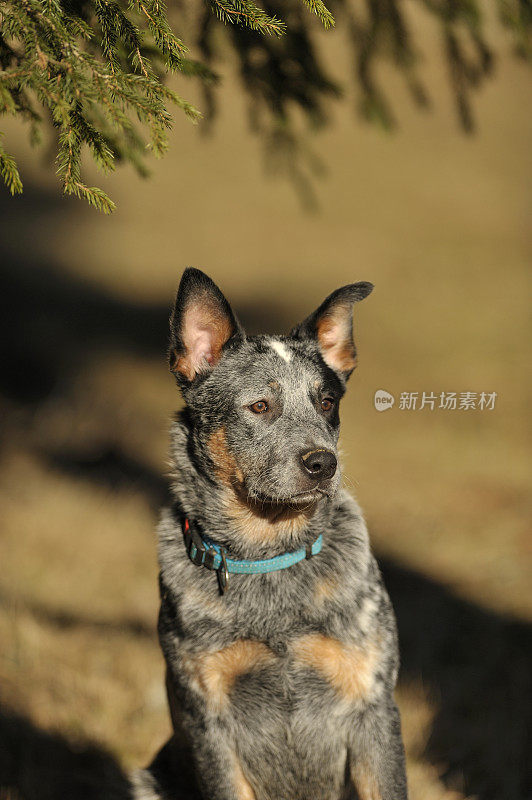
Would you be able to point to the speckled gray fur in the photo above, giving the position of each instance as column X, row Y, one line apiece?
column 295, row 730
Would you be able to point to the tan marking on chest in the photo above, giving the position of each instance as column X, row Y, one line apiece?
column 350, row 669
column 214, row 673
column 243, row 787
column 365, row 783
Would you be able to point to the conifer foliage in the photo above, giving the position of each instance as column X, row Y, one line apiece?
column 95, row 69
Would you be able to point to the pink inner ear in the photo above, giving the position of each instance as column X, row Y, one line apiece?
column 205, row 331
column 200, row 348
column 334, row 337
column 198, row 339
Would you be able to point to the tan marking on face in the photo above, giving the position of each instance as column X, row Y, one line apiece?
column 274, row 385
column 365, row 782
column 334, row 337
column 257, row 522
column 225, row 464
column 349, row 668
column 242, row 785
column 214, row 673
column 325, row 589
column 263, row 523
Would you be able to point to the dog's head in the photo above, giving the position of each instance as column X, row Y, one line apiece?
column 264, row 409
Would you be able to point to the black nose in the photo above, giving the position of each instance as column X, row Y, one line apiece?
column 320, row 464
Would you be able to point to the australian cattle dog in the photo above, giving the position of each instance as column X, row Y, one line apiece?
column 278, row 634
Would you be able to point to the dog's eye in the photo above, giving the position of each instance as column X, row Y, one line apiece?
column 260, row 407
column 327, row 403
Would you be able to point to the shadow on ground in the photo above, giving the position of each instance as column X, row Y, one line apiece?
column 109, row 466
column 478, row 667
column 36, row 765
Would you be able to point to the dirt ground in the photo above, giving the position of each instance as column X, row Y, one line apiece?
column 438, row 221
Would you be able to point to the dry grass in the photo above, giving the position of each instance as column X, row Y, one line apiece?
column 438, row 222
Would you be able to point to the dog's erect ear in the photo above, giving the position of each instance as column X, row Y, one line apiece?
column 201, row 324
column 331, row 326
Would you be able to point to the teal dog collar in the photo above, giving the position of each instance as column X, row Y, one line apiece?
column 204, row 552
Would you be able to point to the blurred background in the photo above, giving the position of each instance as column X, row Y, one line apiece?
column 437, row 220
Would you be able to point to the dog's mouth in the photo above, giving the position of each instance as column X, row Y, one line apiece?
column 299, row 499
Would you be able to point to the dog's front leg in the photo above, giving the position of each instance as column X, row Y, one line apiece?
column 217, row 768
column 219, row 773
column 376, row 754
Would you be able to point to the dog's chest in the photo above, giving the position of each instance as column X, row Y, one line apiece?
column 289, row 661
column 286, row 637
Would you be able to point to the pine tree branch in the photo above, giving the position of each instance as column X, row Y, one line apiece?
column 319, row 8
column 9, row 172
column 99, row 60
column 245, row 12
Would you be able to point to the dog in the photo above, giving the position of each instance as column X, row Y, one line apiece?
column 278, row 635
